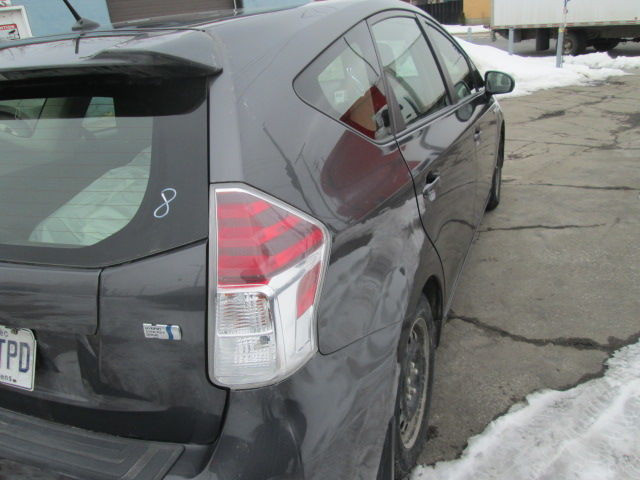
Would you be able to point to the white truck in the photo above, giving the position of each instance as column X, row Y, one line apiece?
column 602, row 24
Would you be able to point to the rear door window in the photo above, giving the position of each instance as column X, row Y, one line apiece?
column 462, row 76
column 344, row 82
column 410, row 68
column 93, row 174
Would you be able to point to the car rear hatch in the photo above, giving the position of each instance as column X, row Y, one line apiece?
column 103, row 230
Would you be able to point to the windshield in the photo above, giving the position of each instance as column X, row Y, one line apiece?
column 85, row 166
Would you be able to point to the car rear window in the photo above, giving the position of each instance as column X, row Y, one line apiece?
column 99, row 172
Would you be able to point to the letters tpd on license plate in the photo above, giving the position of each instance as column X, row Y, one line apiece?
column 17, row 357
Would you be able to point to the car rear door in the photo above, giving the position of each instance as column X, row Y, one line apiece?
column 434, row 132
column 469, row 87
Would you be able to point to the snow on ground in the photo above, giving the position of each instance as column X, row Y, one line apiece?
column 538, row 73
column 603, row 60
column 458, row 29
column 590, row 432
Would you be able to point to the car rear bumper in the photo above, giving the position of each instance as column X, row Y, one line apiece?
column 80, row 453
column 326, row 421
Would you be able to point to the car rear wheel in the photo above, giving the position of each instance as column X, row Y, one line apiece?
column 416, row 357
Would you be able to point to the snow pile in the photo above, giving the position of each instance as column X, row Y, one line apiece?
column 603, row 60
column 591, row 432
column 458, row 29
column 538, row 73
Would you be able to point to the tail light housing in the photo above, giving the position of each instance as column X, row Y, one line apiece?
column 267, row 262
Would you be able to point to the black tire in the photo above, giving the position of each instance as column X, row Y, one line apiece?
column 416, row 355
column 496, row 185
column 575, row 43
column 605, row 44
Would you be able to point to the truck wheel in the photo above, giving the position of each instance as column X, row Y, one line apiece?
column 416, row 355
column 575, row 43
column 605, row 44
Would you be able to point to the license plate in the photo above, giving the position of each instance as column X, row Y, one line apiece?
column 17, row 357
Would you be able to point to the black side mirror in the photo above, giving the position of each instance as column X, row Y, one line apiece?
column 498, row 82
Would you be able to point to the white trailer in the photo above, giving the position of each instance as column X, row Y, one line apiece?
column 602, row 24
column 14, row 23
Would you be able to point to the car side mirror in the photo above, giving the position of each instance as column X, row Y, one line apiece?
column 498, row 82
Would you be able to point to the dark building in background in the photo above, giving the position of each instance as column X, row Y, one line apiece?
column 445, row 11
column 124, row 10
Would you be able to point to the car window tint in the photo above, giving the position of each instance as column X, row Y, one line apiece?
column 344, row 82
column 455, row 62
column 25, row 110
column 101, row 115
column 91, row 168
column 410, row 68
column 98, row 190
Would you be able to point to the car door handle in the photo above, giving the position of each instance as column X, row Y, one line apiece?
column 429, row 189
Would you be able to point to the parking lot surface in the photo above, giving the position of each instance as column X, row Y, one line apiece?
column 550, row 288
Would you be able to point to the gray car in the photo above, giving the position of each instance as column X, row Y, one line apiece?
column 229, row 240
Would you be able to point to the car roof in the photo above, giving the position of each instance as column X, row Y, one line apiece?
column 168, row 44
column 208, row 19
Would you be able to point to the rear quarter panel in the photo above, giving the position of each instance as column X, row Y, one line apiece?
column 330, row 417
column 362, row 191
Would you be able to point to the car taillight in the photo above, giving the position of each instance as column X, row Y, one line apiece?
column 267, row 263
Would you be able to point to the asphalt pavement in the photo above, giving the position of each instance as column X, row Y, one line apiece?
column 551, row 285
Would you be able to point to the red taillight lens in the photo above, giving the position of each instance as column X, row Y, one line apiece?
column 269, row 261
column 257, row 240
column 307, row 290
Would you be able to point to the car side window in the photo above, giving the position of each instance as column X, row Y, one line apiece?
column 410, row 68
column 462, row 76
column 344, row 82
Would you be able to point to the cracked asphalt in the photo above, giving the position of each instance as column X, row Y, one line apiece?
column 552, row 284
